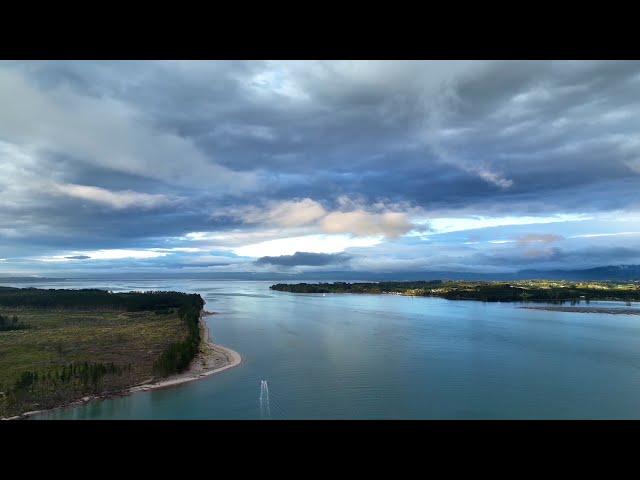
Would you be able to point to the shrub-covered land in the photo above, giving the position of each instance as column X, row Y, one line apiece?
column 57, row 346
column 516, row 291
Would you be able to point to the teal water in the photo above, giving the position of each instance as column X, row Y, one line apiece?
column 392, row 357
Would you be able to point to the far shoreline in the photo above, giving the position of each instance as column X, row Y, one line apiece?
column 578, row 309
column 211, row 359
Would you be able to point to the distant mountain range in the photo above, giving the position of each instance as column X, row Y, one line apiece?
column 30, row 279
column 611, row 272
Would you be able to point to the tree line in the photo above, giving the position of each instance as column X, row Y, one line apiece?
column 361, row 287
column 11, row 323
column 178, row 356
column 94, row 299
column 85, row 374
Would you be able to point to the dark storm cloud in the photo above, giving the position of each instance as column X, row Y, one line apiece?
column 305, row 259
column 350, row 124
column 344, row 113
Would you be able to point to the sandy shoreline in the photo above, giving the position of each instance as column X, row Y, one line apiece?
column 611, row 311
column 211, row 359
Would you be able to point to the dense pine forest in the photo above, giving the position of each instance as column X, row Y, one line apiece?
column 95, row 298
column 179, row 355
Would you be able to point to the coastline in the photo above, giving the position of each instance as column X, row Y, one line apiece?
column 211, row 359
column 574, row 309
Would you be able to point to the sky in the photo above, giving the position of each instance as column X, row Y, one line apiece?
column 309, row 166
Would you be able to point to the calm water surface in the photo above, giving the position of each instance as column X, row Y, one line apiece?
column 392, row 357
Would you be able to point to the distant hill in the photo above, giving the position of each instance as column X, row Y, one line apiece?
column 611, row 272
column 30, row 279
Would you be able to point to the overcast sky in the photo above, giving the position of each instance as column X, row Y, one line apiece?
column 258, row 166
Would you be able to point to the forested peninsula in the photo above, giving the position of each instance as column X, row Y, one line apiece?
column 516, row 291
column 60, row 346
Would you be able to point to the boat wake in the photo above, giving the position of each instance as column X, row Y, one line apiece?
column 265, row 410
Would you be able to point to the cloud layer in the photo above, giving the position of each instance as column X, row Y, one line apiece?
column 305, row 259
column 397, row 165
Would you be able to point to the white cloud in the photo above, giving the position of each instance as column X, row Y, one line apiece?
column 594, row 235
column 306, row 243
column 177, row 249
column 490, row 176
column 536, row 238
column 361, row 223
column 234, row 238
column 119, row 200
column 291, row 213
column 276, row 82
column 353, row 217
column 19, row 175
column 458, row 224
column 108, row 133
